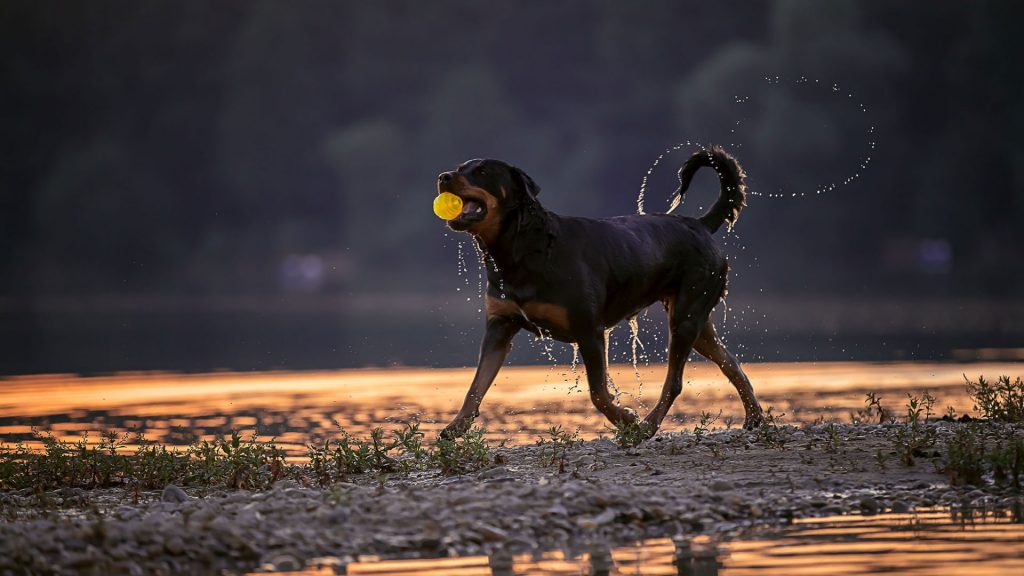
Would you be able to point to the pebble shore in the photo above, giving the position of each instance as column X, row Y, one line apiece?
column 672, row 485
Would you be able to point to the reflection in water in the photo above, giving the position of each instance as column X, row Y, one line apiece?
column 925, row 542
column 298, row 407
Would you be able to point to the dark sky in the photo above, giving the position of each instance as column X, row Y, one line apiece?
column 216, row 158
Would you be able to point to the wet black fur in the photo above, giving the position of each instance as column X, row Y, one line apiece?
column 602, row 271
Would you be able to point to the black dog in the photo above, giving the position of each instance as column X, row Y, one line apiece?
column 574, row 278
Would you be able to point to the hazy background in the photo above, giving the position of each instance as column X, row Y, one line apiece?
column 247, row 185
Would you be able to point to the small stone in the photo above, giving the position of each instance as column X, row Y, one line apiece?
column 285, row 563
column 899, row 507
column 868, row 506
column 496, row 472
column 172, row 493
column 721, row 485
column 174, row 545
column 589, row 523
column 491, row 533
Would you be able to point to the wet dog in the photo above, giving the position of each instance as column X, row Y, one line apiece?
column 575, row 278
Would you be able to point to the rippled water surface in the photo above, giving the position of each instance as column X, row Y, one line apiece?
column 938, row 542
column 297, row 407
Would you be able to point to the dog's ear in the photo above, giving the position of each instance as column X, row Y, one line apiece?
column 525, row 183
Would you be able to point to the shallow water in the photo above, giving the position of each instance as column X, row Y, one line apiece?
column 923, row 542
column 298, row 407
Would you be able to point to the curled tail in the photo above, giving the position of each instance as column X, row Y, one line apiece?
column 733, row 196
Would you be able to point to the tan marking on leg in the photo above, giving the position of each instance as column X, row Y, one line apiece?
column 547, row 315
column 498, row 307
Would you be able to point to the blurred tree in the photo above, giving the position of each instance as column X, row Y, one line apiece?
column 278, row 106
column 104, row 222
column 789, row 102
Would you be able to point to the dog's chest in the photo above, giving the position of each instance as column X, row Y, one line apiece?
column 552, row 317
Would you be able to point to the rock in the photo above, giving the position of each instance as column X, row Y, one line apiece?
column 284, row 563
column 174, row 545
column 899, row 507
column 492, row 473
column 868, row 506
column 591, row 522
column 172, row 493
column 286, row 484
column 491, row 533
column 721, row 485
column 557, row 510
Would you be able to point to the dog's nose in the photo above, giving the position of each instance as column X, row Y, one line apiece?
column 445, row 177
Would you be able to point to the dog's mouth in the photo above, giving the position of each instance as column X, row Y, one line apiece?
column 473, row 210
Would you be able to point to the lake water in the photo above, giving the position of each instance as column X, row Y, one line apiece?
column 297, row 407
column 935, row 541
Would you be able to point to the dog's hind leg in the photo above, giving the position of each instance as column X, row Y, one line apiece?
column 593, row 349
column 711, row 347
column 496, row 344
column 687, row 314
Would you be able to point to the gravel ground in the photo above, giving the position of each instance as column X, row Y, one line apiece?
column 671, row 485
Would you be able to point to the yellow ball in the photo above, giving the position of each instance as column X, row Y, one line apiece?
column 447, row 206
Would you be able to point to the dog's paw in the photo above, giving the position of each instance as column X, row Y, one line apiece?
column 453, row 431
column 629, row 416
column 753, row 420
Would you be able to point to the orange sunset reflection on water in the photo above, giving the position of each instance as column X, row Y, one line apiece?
column 924, row 542
column 299, row 407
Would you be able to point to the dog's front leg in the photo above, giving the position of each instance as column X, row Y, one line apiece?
column 496, row 344
column 592, row 349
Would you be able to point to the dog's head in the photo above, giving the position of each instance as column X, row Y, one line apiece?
column 490, row 190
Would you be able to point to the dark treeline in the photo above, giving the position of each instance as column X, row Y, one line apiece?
column 163, row 147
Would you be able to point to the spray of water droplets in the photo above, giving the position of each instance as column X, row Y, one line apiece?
column 862, row 164
column 635, row 342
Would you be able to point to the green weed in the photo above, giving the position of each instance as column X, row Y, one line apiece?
column 881, row 459
column 631, row 434
column 1007, row 462
column 1002, row 401
column 832, row 438
column 707, row 420
column 915, row 435
column 461, row 455
column 770, row 432
column 556, row 446
column 872, row 410
column 965, row 458
column 235, row 462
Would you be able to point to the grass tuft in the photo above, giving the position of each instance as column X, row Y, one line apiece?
column 556, row 446
column 965, row 458
column 914, row 436
column 771, row 433
column 631, row 434
column 461, row 455
column 1002, row 401
column 232, row 461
